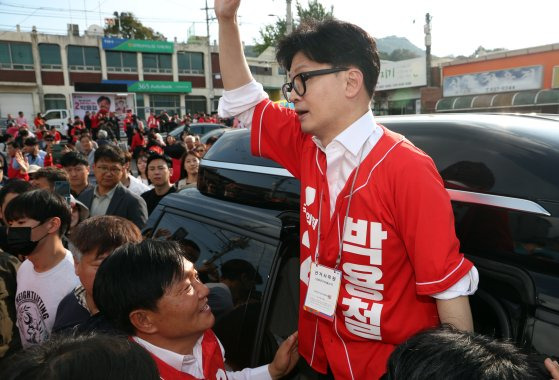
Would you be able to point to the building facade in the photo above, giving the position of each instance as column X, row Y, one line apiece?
column 524, row 80
column 40, row 71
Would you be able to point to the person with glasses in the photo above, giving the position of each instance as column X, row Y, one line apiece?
column 376, row 221
column 109, row 196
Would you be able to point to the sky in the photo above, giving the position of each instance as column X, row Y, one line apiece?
column 458, row 28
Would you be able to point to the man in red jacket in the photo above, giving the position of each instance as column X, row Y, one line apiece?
column 170, row 316
column 379, row 256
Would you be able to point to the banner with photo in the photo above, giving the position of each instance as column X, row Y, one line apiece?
column 489, row 82
column 117, row 103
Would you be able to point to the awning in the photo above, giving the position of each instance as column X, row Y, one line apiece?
column 496, row 101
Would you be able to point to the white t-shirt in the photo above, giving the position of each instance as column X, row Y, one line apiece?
column 38, row 296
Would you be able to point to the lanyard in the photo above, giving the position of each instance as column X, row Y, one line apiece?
column 339, row 258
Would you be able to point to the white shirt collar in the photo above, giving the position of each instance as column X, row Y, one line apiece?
column 177, row 361
column 353, row 137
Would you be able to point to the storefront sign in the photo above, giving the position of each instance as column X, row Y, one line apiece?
column 401, row 74
column 122, row 44
column 93, row 102
column 161, row 86
column 555, row 77
column 489, row 82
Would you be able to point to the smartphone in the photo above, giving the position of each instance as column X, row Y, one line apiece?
column 62, row 188
column 57, row 152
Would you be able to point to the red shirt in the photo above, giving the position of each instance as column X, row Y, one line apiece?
column 212, row 362
column 399, row 245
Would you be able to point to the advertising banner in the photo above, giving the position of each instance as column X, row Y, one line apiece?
column 161, row 86
column 507, row 80
column 117, row 103
column 402, row 74
column 122, row 44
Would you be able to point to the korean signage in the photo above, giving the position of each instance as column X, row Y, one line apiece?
column 401, row 74
column 93, row 102
column 160, row 86
column 146, row 46
column 516, row 79
column 555, row 77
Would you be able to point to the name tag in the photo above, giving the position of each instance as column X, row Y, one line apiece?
column 323, row 291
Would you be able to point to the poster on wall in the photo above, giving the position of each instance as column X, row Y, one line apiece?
column 489, row 82
column 402, row 74
column 81, row 103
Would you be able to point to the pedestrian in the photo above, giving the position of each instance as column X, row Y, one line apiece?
column 379, row 258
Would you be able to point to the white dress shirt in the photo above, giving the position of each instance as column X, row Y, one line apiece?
column 192, row 364
column 343, row 154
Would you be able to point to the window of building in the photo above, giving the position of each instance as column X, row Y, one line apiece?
column 84, row 58
column 140, row 110
column 121, row 62
column 190, row 63
column 50, row 57
column 55, row 101
column 169, row 103
column 16, row 56
column 260, row 70
column 157, row 63
column 195, row 104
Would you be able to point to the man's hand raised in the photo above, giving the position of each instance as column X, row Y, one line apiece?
column 226, row 9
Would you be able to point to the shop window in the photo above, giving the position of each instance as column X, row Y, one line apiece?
column 194, row 104
column 118, row 62
column 16, row 56
column 169, row 103
column 55, row 101
column 157, row 63
column 260, row 70
column 190, row 63
column 50, row 57
column 83, row 58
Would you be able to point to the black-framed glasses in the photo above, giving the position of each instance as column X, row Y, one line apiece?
column 298, row 83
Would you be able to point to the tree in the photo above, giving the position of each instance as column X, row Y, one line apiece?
column 271, row 33
column 128, row 26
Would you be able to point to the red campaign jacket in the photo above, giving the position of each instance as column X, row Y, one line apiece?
column 16, row 173
column 399, row 246
column 212, row 361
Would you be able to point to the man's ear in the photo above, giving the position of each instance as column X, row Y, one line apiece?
column 142, row 321
column 54, row 225
column 354, row 82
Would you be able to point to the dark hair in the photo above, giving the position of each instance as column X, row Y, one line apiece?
column 84, row 357
column 127, row 157
column 104, row 233
column 83, row 136
column 334, row 42
column 135, row 277
column 103, row 97
column 184, row 174
column 155, row 156
column 39, row 205
column 14, row 186
column 73, row 159
column 51, row 174
column 109, row 152
column 451, row 354
column 31, row 141
column 15, row 144
column 234, row 269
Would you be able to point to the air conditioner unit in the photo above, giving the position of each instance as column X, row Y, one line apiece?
column 74, row 30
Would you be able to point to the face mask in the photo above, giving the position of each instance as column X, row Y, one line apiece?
column 19, row 240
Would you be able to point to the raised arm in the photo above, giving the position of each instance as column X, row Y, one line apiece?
column 234, row 68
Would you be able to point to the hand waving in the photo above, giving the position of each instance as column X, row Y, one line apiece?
column 226, row 9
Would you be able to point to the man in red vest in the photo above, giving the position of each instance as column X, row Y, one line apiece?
column 379, row 257
column 151, row 292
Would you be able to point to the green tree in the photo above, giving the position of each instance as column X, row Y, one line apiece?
column 130, row 27
column 271, row 33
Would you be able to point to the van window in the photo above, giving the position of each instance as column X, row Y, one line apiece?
column 235, row 268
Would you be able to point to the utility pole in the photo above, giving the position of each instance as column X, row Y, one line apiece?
column 209, row 66
column 427, row 30
column 289, row 18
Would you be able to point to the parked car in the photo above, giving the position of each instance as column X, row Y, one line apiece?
column 196, row 129
column 499, row 170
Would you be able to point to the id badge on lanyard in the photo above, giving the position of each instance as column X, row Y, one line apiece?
column 323, row 291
